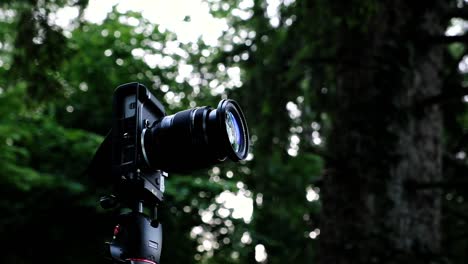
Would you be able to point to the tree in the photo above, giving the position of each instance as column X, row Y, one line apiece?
column 385, row 140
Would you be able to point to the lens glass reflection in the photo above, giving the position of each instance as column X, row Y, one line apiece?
column 233, row 131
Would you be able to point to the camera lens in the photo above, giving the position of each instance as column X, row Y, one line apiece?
column 197, row 138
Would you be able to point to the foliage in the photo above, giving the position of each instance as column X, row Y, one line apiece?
column 56, row 91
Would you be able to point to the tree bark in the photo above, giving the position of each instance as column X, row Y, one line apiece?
column 380, row 142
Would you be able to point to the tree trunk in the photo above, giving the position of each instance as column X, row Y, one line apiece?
column 382, row 142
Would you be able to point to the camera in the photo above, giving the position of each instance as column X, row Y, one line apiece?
column 143, row 146
column 182, row 142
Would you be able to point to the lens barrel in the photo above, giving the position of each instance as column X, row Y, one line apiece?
column 197, row 138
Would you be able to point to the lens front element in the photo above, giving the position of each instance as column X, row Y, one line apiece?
column 234, row 136
column 233, row 131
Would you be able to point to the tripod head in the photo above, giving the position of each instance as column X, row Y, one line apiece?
column 145, row 144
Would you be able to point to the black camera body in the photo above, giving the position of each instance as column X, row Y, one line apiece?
column 135, row 110
column 145, row 144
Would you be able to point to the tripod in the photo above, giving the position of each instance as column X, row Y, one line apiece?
column 137, row 238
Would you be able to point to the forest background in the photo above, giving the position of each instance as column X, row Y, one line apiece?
column 357, row 112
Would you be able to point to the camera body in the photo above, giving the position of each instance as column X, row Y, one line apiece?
column 135, row 110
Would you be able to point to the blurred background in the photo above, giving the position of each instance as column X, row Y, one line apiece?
column 357, row 112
